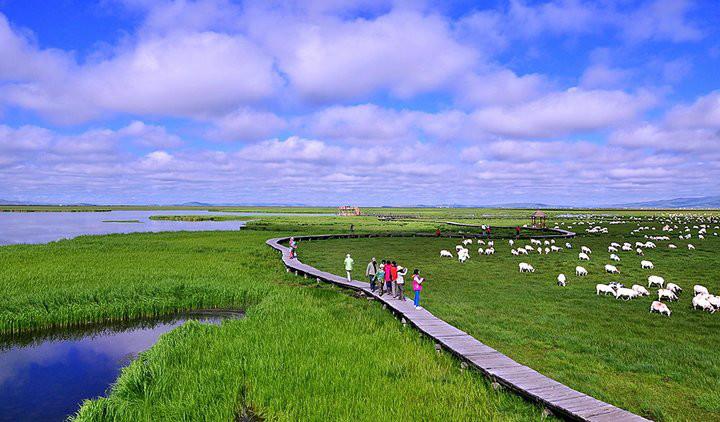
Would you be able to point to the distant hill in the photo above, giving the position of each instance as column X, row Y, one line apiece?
column 695, row 203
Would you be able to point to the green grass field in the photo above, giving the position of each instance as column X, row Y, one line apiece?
column 662, row 368
column 303, row 352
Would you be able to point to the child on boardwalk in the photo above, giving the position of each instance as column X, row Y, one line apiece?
column 380, row 278
column 417, row 287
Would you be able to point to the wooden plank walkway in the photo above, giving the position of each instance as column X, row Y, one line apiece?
column 562, row 400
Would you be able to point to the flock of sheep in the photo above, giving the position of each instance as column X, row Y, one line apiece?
column 666, row 292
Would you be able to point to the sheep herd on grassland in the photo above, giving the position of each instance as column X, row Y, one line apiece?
column 666, row 292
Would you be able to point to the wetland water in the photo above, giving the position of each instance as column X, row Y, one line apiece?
column 42, row 227
column 46, row 376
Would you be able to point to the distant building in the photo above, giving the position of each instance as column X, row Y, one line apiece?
column 348, row 211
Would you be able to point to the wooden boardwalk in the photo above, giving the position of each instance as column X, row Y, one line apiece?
column 563, row 401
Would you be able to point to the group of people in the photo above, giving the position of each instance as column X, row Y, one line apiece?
column 389, row 277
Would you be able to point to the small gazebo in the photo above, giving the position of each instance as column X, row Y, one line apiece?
column 538, row 219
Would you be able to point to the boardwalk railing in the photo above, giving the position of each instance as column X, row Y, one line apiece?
column 562, row 400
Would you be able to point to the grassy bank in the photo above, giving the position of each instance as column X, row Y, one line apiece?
column 663, row 368
column 303, row 352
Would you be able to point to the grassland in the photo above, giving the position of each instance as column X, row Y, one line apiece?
column 303, row 352
column 662, row 368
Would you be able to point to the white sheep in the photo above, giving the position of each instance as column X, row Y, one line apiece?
column 655, row 280
column 583, row 256
column 660, row 308
column 702, row 303
column 614, row 257
column 561, row 280
column 481, row 251
column 462, row 258
column 585, row 249
column 699, row 289
column 555, row 248
column 626, row 248
column 445, row 253
column 490, row 251
column 666, row 294
column 480, row 242
column 639, row 252
column 529, row 248
column 625, row 294
column 691, row 247
column 646, row 265
column 580, row 271
column 458, row 248
column 511, row 242
column 547, row 251
column 514, row 252
column 491, row 243
column 674, row 288
column 535, row 242
column 522, row 251
column 671, row 246
column 604, row 289
column 526, row 268
column 467, row 242
column 568, row 245
column 611, row 269
column 612, row 249
column 714, row 301
column 641, row 291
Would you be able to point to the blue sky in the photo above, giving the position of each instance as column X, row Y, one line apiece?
column 370, row 102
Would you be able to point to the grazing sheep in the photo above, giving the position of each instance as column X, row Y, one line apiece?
column 511, row 242
column 462, row 258
column 671, row 246
column 612, row 249
column 568, row 245
column 646, row 265
column 513, row 251
column 700, row 290
column 458, row 248
column 547, row 251
column 625, row 294
column 639, row 252
column 467, row 242
column 702, row 303
column 641, row 291
column 604, row 289
column 526, row 268
column 691, row 247
column 480, row 242
column 655, row 280
column 585, row 249
column 580, row 271
column 649, row 245
column 666, row 294
column 674, row 288
column 583, row 256
column 535, row 242
column 660, row 308
column 615, row 245
column 445, row 253
column 529, row 248
column 611, row 269
column 626, row 248
column 490, row 251
column 555, row 248
column 522, row 251
column 561, row 280
column 614, row 257
column 714, row 301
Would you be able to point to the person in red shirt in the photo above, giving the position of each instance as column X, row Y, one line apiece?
column 437, row 233
column 394, row 273
column 388, row 277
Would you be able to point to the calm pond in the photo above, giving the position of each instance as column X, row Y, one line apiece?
column 46, row 376
column 42, row 227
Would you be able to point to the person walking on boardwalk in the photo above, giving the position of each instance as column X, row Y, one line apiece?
column 388, row 277
column 517, row 232
column 402, row 271
column 370, row 272
column 488, row 231
column 349, row 266
column 393, row 278
column 417, row 286
column 380, row 278
column 293, row 248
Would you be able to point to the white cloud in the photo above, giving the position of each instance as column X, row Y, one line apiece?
column 704, row 112
column 574, row 110
column 246, row 124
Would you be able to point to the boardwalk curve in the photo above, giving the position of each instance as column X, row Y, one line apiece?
column 562, row 400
